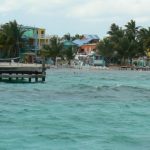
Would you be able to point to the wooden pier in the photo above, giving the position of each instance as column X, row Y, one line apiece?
column 22, row 71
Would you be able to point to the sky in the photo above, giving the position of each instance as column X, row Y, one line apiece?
column 59, row 17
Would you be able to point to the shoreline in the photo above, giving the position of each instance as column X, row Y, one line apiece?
column 99, row 68
column 115, row 68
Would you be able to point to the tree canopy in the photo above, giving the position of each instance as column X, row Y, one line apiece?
column 54, row 49
column 11, row 38
column 128, row 42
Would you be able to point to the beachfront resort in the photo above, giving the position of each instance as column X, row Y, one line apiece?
column 125, row 47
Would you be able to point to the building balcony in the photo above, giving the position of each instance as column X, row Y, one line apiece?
column 42, row 36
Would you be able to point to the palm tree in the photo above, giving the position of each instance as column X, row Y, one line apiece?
column 67, row 37
column 113, row 29
column 69, row 54
column 105, row 47
column 11, row 38
column 77, row 36
column 144, row 40
column 120, row 42
column 132, row 30
column 53, row 50
column 132, row 34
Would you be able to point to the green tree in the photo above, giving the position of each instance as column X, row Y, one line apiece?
column 126, row 43
column 67, row 37
column 120, row 42
column 105, row 47
column 54, row 49
column 132, row 33
column 131, row 30
column 69, row 54
column 77, row 36
column 144, row 40
column 113, row 32
column 11, row 38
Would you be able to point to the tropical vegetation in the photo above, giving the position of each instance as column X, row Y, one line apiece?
column 56, row 49
column 52, row 50
column 120, row 46
column 125, row 43
column 11, row 39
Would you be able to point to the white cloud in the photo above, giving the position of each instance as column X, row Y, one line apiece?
column 47, row 6
column 107, row 8
column 75, row 15
column 85, row 9
column 8, row 6
column 31, row 5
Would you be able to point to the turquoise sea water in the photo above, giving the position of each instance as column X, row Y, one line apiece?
column 77, row 110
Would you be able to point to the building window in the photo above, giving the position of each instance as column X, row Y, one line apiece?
column 42, row 32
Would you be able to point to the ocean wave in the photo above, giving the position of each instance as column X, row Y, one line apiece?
column 115, row 87
column 132, row 87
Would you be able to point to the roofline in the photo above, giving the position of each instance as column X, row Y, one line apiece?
column 89, row 44
column 30, row 27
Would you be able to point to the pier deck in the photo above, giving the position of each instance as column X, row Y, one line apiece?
column 22, row 71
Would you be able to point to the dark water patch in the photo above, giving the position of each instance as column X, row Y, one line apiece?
column 37, row 90
column 140, row 114
column 127, row 87
column 5, row 122
column 23, row 111
column 108, row 79
column 132, row 87
column 93, row 88
column 116, row 87
column 74, row 137
column 60, row 136
column 82, row 86
column 4, row 111
column 125, row 139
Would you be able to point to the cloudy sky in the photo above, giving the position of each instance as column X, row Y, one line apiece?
column 75, row 16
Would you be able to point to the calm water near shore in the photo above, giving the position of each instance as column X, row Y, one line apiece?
column 77, row 110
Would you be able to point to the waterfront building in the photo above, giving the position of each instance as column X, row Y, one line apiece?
column 41, row 37
column 35, row 38
column 31, row 39
column 87, row 44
